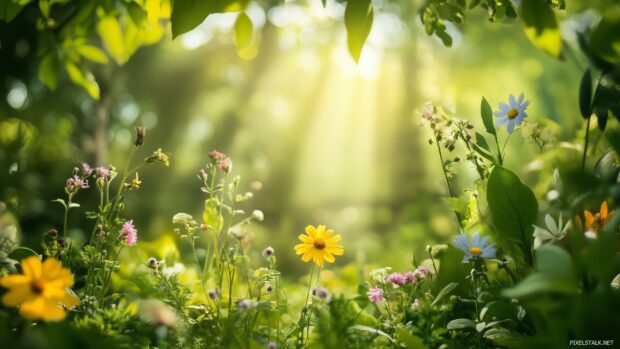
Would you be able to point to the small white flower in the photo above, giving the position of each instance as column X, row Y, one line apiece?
column 554, row 232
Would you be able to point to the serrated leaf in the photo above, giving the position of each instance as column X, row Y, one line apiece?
column 358, row 18
column 541, row 26
column 585, row 94
column 243, row 30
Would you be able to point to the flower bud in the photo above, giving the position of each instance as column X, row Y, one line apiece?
column 140, row 132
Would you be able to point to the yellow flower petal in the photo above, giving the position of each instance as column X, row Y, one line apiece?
column 318, row 259
column 334, row 239
column 328, row 234
column 308, row 255
column 51, row 268
column 311, row 231
column 52, row 311
column 18, row 295
column 320, row 230
column 335, row 250
column 305, row 238
column 328, row 257
column 33, row 309
column 32, row 267
column 10, row 281
column 603, row 210
column 70, row 301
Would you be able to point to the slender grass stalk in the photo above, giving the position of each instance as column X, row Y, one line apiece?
column 586, row 143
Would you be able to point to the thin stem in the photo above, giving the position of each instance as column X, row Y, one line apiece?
column 443, row 169
column 585, row 147
column 499, row 152
column 318, row 275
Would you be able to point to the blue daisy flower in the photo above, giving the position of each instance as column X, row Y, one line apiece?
column 474, row 248
column 512, row 114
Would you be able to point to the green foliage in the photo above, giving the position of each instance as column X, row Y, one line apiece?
column 514, row 210
column 541, row 26
column 243, row 30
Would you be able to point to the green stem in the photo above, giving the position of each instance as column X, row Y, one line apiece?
column 499, row 152
column 443, row 169
column 585, row 147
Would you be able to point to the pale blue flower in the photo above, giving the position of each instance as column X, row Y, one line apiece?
column 474, row 248
column 512, row 114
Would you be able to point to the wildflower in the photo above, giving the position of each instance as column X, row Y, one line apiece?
column 202, row 174
column 129, row 233
column 86, row 170
column 595, row 223
column 40, row 292
column 555, row 231
column 74, row 184
column 475, row 248
column 321, row 293
column 272, row 345
column 225, row 165
column 140, row 132
column 53, row 233
column 102, row 172
column 512, row 114
column 213, row 294
column 410, row 277
column 422, row 272
column 375, row 295
column 319, row 245
column 416, row 304
column 268, row 252
column 428, row 110
column 396, row 279
column 380, row 275
column 216, row 156
column 159, row 156
column 157, row 312
column 258, row 215
column 246, row 304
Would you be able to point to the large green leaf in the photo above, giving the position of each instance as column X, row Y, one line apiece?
column 541, row 26
column 9, row 9
column 111, row 34
column 555, row 274
column 358, row 18
column 487, row 116
column 514, row 209
column 188, row 14
column 605, row 39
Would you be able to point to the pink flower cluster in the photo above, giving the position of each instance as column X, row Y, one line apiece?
column 76, row 183
column 375, row 295
column 221, row 161
column 129, row 233
column 410, row 277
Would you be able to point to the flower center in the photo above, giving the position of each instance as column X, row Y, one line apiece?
column 37, row 286
column 319, row 243
column 475, row 250
column 512, row 113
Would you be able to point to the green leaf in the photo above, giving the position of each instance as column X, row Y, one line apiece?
column 541, row 26
column 487, row 116
column 605, row 40
column 243, row 30
column 61, row 201
column 188, row 14
column 21, row 252
column 109, row 30
column 358, row 18
column 9, row 10
column 482, row 142
column 372, row 330
column 514, row 210
column 458, row 324
column 585, row 94
column 93, row 53
column 483, row 153
column 83, row 78
column 49, row 70
column 444, row 291
column 211, row 215
column 136, row 13
column 409, row 340
column 555, row 274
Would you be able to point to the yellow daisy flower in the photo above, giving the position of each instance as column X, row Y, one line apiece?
column 319, row 245
column 41, row 291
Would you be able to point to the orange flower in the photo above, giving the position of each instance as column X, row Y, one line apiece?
column 594, row 223
column 41, row 291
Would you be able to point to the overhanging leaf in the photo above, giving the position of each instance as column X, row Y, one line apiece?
column 109, row 30
column 605, row 40
column 585, row 94
column 514, row 210
column 243, row 30
column 358, row 18
column 541, row 26
column 188, row 14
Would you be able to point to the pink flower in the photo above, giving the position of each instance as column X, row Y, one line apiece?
column 129, row 233
column 375, row 295
column 216, row 156
column 410, row 277
column 102, row 172
column 86, row 169
column 76, row 183
column 396, row 279
column 422, row 272
column 225, row 165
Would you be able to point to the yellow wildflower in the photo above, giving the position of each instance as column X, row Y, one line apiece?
column 41, row 291
column 319, row 245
